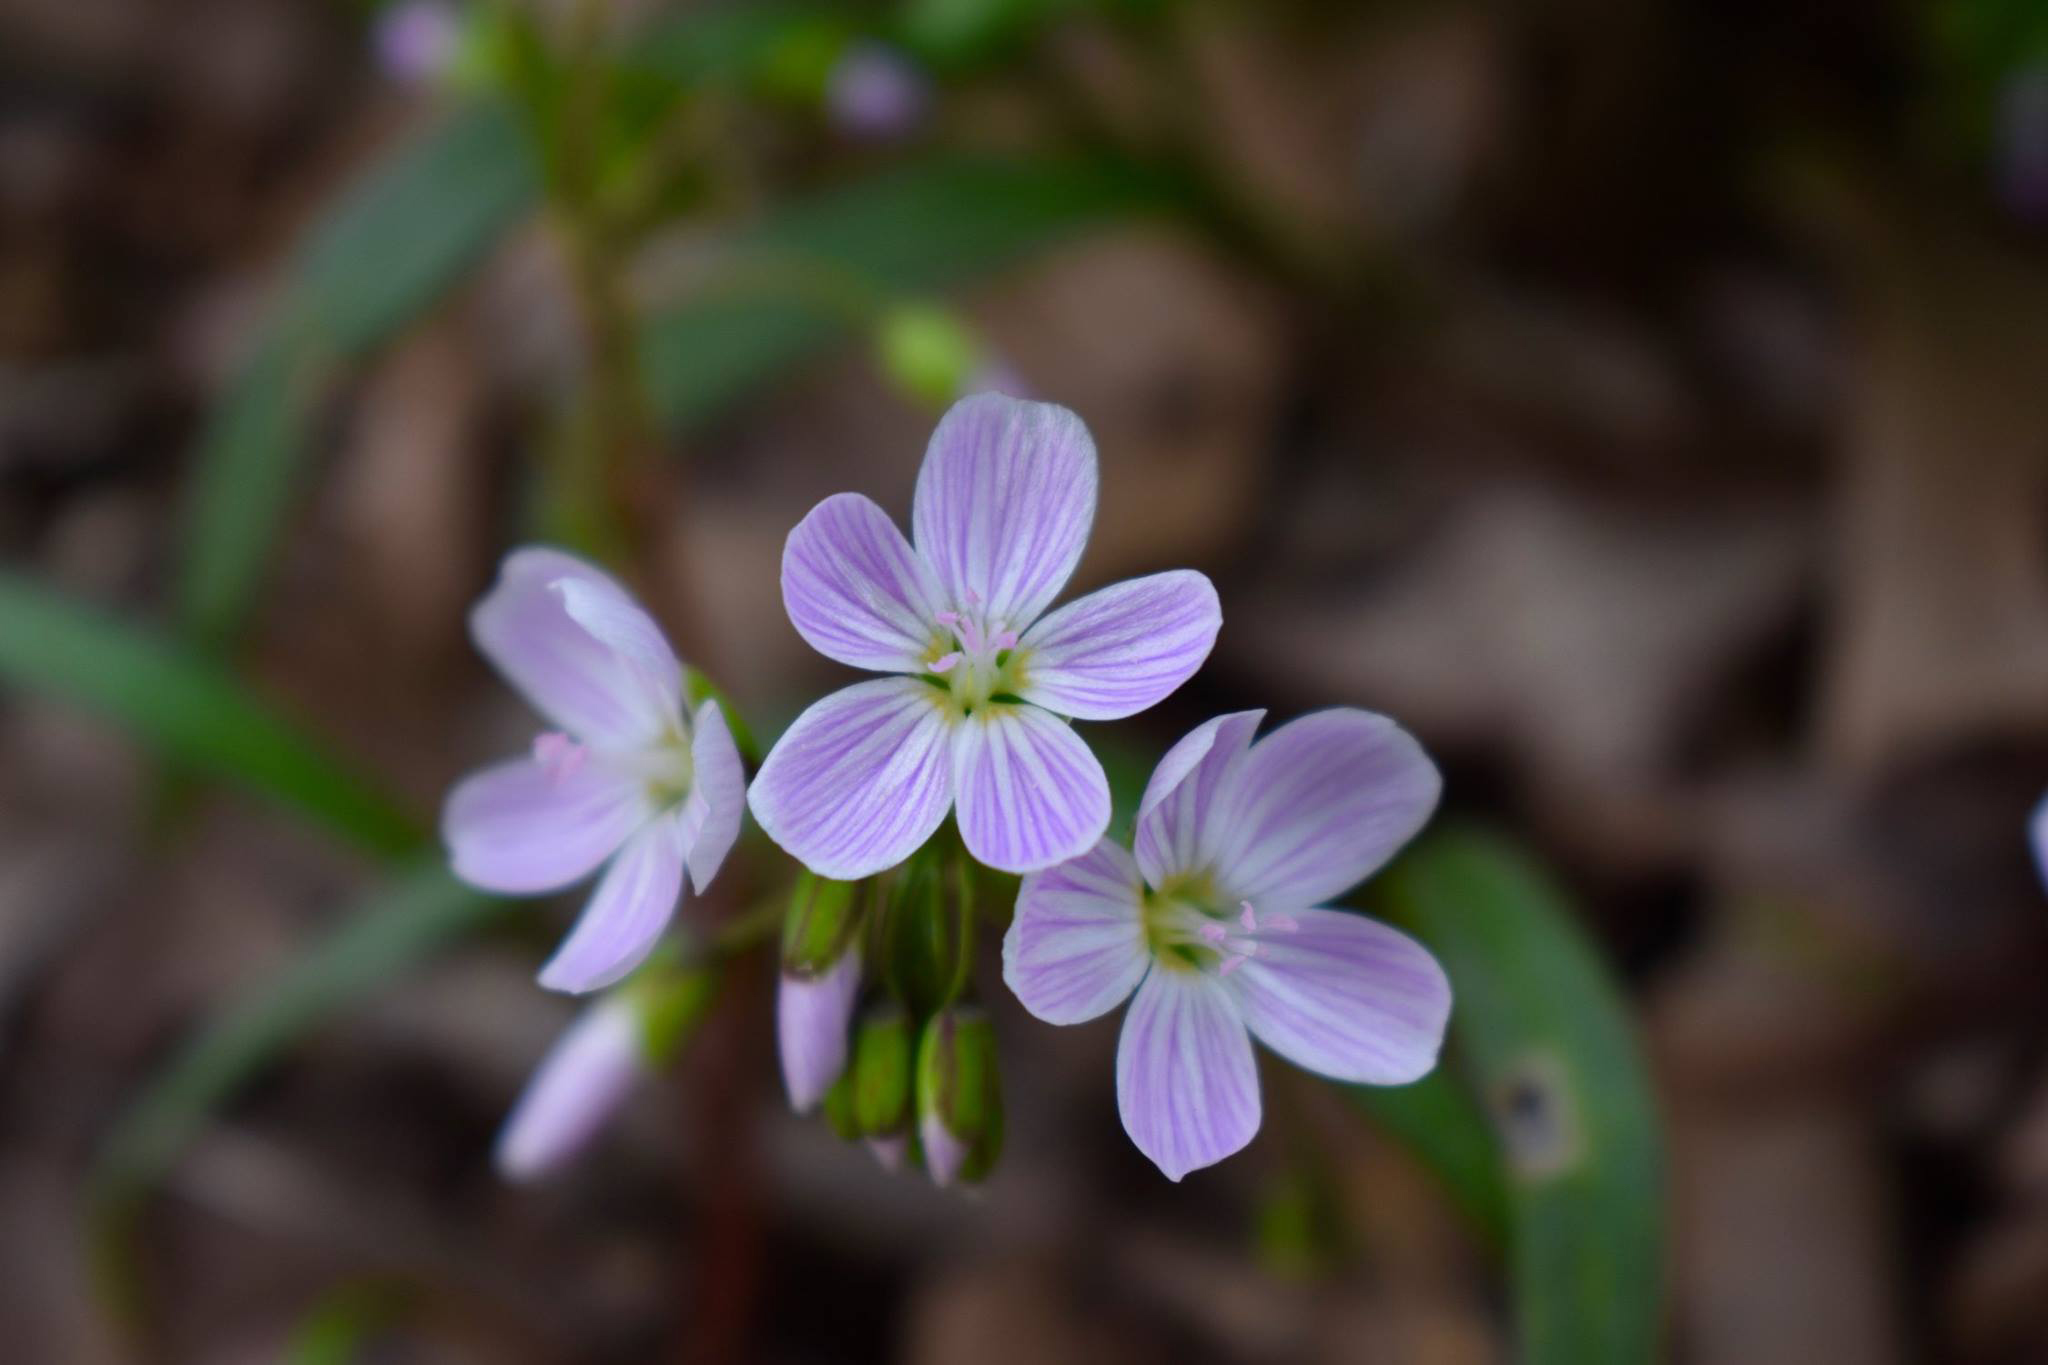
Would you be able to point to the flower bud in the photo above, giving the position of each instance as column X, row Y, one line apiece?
column 928, row 353
column 922, row 932
column 875, row 93
column 820, row 983
column 574, row 1091
column 417, row 41
column 811, row 1014
column 959, row 1096
column 882, row 1073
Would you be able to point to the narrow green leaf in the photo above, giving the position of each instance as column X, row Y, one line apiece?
column 1439, row 1123
column 394, row 245
column 1544, row 1033
column 393, row 929
column 185, row 707
column 800, row 279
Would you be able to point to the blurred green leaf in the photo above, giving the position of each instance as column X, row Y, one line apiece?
column 1544, row 1033
column 1439, row 1123
column 394, row 245
column 185, row 707
column 822, row 266
column 344, row 1326
column 393, row 929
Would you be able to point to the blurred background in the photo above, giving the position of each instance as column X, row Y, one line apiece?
column 1644, row 403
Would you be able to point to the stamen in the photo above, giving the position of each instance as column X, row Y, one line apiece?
column 944, row 663
column 1006, row 639
column 948, row 618
column 1286, row 924
column 1213, row 933
column 1231, row 964
column 1249, row 918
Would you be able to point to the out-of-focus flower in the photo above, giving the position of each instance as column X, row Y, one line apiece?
column 632, row 778
column 2022, row 151
column 416, row 41
column 976, row 716
column 959, row 1096
column 575, row 1090
column 875, row 92
column 1214, row 925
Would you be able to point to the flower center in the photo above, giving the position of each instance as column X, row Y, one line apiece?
column 665, row 766
column 976, row 658
column 1186, row 926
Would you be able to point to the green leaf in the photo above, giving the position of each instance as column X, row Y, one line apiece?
column 394, row 245
column 184, row 706
column 805, row 276
column 1542, row 1031
column 1441, row 1125
column 393, row 929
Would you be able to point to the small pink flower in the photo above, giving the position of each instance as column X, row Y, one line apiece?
column 416, row 40
column 985, row 679
column 632, row 781
column 574, row 1092
column 1213, row 930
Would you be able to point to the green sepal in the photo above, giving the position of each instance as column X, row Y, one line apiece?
column 881, row 1072
column 823, row 921
column 959, row 1083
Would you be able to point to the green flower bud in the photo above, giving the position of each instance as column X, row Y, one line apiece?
column 882, row 1073
column 959, row 1096
column 922, row 931
column 824, row 917
column 927, row 352
column 839, row 1116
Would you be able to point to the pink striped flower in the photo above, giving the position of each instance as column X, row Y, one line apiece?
column 633, row 780
column 1214, row 924
column 975, row 716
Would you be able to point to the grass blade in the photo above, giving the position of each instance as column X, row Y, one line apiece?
column 801, row 279
column 186, row 708
column 1544, row 1035
column 395, row 245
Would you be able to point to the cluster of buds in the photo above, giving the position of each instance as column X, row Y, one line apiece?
column 874, row 1020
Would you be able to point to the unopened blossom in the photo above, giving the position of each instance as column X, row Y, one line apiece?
column 574, row 1091
column 875, row 92
column 417, row 40
column 975, row 716
column 813, row 1015
column 1212, row 927
column 631, row 780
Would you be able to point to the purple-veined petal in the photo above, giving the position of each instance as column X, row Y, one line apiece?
column 1076, row 947
column 718, row 795
column 1346, row 997
column 522, row 828
column 1175, row 833
column 859, row 780
column 626, row 914
column 856, row 591
column 1186, row 1083
column 1030, row 791
column 576, row 680
column 1319, row 804
column 616, row 621
column 812, row 1015
column 575, row 1090
column 1004, row 504
column 1117, row 651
